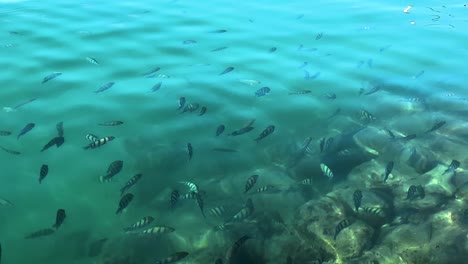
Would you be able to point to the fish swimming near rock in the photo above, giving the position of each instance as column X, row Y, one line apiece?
column 104, row 87
column 217, row 211
column 59, row 218
column 158, row 230
column 267, row 131
column 112, row 123
column 326, row 171
column 145, row 221
column 51, row 77
column 340, row 226
column 245, row 212
column 124, row 202
column 262, row 91
column 43, row 172
column 250, row 182
column 114, row 168
column 388, row 170
column 436, row 126
column 100, row 142
column 40, row 233
column 26, row 129
column 415, row 191
column 56, row 141
column 130, row 183
column 173, row 258
column 452, row 167
column 192, row 186
column 357, row 198
column 267, row 189
column 234, row 249
column 227, row 70
column 220, row 130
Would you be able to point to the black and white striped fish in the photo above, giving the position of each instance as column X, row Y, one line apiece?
column 91, row 137
column 59, row 218
column 217, row 211
column 99, row 142
column 145, row 221
column 130, row 183
column 250, row 182
column 114, row 168
column 43, row 172
column 357, row 198
column 92, row 60
column 124, row 202
column 193, row 187
column 340, row 226
column 174, row 198
column 326, row 171
column 158, row 230
column 366, row 115
column 245, row 212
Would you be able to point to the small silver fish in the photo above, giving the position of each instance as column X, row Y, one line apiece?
column 92, row 60
column 51, row 77
column 105, row 87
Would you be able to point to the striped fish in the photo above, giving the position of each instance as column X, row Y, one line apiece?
column 267, row 189
column 191, row 108
column 130, row 183
column 217, row 211
column 140, row 223
column 250, row 182
column 111, row 123
column 92, row 60
column 366, row 115
column 267, row 131
column 99, row 142
column 40, row 233
column 124, row 202
column 174, row 198
column 340, row 226
column 91, row 137
column 244, row 212
column 173, row 258
column 202, row 111
column 193, row 187
column 307, row 181
column 158, row 230
column 43, row 172
column 114, row 168
column 376, row 211
column 326, row 171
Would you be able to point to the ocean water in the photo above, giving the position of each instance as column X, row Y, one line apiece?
column 331, row 49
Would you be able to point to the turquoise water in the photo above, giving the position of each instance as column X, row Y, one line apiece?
column 419, row 54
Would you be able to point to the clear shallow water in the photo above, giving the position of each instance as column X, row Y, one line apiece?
column 362, row 42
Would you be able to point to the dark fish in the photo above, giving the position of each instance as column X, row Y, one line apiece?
column 273, row 49
column 436, row 126
column 408, row 137
column 174, row 198
column 419, row 74
column 267, row 189
column 218, row 49
column 219, row 31
column 173, row 258
column 26, row 129
column 262, row 91
column 124, row 202
column 13, row 152
column 415, row 192
column 140, row 224
column 341, row 225
column 366, row 115
column 95, row 248
column 202, row 111
column 452, row 167
column 5, row 133
column 43, row 172
column 301, row 92
column 389, row 132
column 250, row 182
column 104, row 87
column 59, row 128
column 241, row 131
column 130, row 183
column 200, row 203
column 111, row 123
column 267, row 131
column 181, row 103
column 189, row 41
column 220, row 130
column 99, row 142
column 156, row 87
column 357, row 197
column 319, row 36
column 92, row 60
column 57, row 141
column 152, row 71
column 189, row 150
column 190, row 108
column 234, row 249
column 388, row 170
column 59, row 218
column 227, row 70
column 51, row 76
column 91, row 137
column 322, row 144
column 114, row 168
column 373, row 90
column 40, row 233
